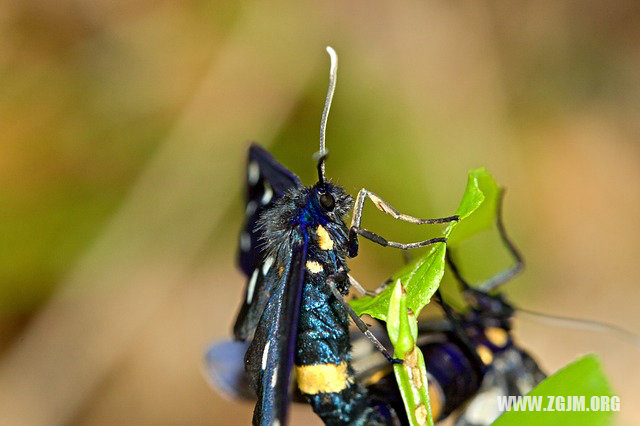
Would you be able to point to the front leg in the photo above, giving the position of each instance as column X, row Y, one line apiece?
column 358, row 321
column 363, row 291
column 387, row 208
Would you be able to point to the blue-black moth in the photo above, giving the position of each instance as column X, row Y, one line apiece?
column 293, row 250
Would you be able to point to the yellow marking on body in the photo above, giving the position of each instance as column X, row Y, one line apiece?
column 485, row 354
column 497, row 336
column 314, row 267
column 324, row 240
column 326, row 378
column 280, row 270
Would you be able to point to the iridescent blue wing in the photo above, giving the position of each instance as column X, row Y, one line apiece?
column 270, row 356
column 267, row 180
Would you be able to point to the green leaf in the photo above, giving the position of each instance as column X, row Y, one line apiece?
column 400, row 333
column 583, row 377
column 411, row 375
column 477, row 209
column 421, row 279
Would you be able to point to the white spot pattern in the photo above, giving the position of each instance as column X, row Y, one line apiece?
column 253, row 173
column 267, row 265
column 245, row 242
column 251, row 208
column 265, row 352
column 252, row 286
column 268, row 194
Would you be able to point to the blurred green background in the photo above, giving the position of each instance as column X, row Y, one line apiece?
column 124, row 128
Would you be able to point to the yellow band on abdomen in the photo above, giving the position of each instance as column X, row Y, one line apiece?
column 313, row 379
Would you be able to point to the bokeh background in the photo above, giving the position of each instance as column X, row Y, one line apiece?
column 124, row 128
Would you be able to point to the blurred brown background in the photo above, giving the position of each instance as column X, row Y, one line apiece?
column 124, row 128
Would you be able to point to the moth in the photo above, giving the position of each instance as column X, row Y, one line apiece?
column 293, row 250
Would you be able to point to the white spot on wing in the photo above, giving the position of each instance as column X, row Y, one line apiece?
column 265, row 352
column 274, row 378
column 252, row 286
column 267, row 265
column 245, row 242
column 268, row 194
column 253, row 173
column 251, row 208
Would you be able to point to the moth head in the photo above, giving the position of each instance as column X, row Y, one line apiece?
column 332, row 199
column 489, row 306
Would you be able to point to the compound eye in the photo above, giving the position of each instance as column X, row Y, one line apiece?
column 327, row 202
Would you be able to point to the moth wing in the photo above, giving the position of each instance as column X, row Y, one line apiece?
column 267, row 181
column 224, row 369
column 271, row 354
column 256, row 296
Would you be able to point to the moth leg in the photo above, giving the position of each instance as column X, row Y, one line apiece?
column 360, row 324
column 387, row 208
column 363, row 291
column 502, row 276
column 371, row 236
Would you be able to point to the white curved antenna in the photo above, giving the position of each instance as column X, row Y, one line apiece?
column 333, row 75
